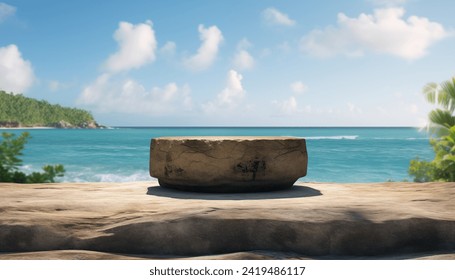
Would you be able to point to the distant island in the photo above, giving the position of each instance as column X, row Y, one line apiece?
column 18, row 111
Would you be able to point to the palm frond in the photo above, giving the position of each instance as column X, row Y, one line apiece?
column 437, row 130
column 430, row 91
column 446, row 96
column 441, row 121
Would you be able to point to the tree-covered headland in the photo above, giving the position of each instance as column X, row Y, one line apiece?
column 20, row 111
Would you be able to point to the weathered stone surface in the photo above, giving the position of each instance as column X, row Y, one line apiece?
column 312, row 220
column 228, row 164
column 251, row 255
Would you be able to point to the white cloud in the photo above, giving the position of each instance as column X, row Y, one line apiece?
column 275, row 17
column 289, row 105
column 16, row 74
column 230, row 96
column 206, row 54
column 298, row 87
column 234, row 90
column 112, row 93
column 137, row 46
column 243, row 59
column 6, row 11
column 385, row 31
column 168, row 48
column 128, row 96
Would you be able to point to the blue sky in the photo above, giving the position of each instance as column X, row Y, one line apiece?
column 235, row 63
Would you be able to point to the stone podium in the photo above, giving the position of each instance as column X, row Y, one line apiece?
column 228, row 164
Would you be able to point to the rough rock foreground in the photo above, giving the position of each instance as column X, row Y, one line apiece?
column 310, row 220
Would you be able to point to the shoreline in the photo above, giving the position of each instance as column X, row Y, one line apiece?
column 27, row 127
column 51, row 127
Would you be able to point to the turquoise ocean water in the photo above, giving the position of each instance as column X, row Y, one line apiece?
column 122, row 154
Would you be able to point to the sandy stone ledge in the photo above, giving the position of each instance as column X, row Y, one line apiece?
column 309, row 221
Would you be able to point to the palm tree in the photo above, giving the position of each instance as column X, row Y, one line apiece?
column 441, row 119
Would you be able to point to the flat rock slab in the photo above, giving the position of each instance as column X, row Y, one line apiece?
column 228, row 164
column 315, row 220
column 250, row 255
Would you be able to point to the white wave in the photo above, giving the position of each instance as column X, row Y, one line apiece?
column 417, row 138
column 337, row 137
column 394, row 138
column 107, row 177
column 26, row 167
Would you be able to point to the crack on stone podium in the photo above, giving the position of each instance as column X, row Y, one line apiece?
column 170, row 169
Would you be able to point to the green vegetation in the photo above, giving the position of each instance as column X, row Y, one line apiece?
column 18, row 110
column 441, row 119
column 10, row 151
column 442, row 124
